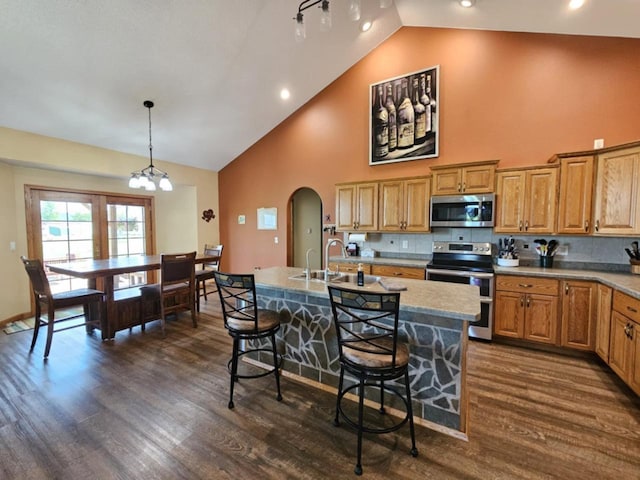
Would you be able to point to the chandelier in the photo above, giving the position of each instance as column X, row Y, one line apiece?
column 354, row 12
column 146, row 177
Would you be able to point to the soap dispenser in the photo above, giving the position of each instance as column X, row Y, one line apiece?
column 360, row 275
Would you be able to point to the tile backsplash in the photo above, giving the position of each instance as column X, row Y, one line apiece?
column 598, row 252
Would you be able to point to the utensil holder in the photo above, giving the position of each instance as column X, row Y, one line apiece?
column 546, row 261
column 635, row 266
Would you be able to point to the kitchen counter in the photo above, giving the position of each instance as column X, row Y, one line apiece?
column 433, row 321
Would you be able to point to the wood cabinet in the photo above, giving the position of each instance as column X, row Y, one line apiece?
column 478, row 177
column 624, row 351
column 349, row 267
column 603, row 322
column 526, row 308
column 616, row 208
column 404, row 205
column 398, row 272
column 579, row 314
column 357, row 206
column 576, row 195
column 526, row 200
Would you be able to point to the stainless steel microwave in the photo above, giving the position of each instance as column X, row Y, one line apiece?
column 463, row 210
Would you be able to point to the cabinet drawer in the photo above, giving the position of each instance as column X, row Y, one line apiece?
column 393, row 271
column 543, row 286
column 349, row 267
column 626, row 305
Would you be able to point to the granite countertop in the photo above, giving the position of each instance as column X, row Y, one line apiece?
column 450, row 300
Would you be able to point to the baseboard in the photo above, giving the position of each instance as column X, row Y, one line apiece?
column 20, row 316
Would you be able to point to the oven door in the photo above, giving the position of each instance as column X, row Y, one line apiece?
column 485, row 281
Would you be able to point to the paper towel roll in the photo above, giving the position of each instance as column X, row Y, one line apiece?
column 357, row 237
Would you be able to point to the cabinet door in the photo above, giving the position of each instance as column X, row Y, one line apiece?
column 417, row 194
column 576, row 193
column 392, row 205
column 509, row 315
column 541, row 318
column 620, row 346
column 634, row 360
column 345, row 207
column 510, row 202
column 540, row 200
column 603, row 321
column 367, row 206
column 579, row 307
column 616, row 203
column 447, row 181
column 478, row 179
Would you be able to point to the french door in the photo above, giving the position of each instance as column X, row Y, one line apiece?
column 69, row 225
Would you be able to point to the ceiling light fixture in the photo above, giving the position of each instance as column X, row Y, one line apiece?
column 575, row 4
column 145, row 177
column 467, row 3
column 366, row 25
column 285, row 94
column 354, row 12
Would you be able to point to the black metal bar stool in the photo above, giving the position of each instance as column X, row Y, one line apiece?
column 367, row 329
column 246, row 322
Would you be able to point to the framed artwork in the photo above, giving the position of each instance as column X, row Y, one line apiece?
column 404, row 117
column 268, row 218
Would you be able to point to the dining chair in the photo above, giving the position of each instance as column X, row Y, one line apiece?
column 366, row 325
column 206, row 273
column 247, row 325
column 176, row 291
column 47, row 302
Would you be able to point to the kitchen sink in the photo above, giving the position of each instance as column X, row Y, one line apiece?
column 318, row 276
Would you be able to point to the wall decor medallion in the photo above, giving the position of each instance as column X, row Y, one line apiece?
column 208, row 215
column 404, row 117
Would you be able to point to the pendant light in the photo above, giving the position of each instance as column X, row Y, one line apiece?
column 146, row 177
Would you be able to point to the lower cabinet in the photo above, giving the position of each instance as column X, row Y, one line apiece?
column 624, row 346
column 603, row 322
column 579, row 314
column 527, row 308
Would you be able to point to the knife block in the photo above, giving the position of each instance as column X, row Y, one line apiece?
column 635, row 266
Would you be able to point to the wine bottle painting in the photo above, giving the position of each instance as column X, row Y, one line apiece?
column 404, row 117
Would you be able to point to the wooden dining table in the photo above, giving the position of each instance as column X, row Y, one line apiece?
column 122, row 308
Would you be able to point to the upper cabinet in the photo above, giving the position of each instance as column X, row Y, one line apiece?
column 476, row 177
column 357, row 206
column 576, row 194
column 404, row 205
column 526, row 200
column 616, row 209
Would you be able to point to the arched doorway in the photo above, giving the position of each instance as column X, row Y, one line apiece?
column 305, row 229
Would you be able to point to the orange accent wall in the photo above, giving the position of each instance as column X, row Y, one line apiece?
column 516, row 97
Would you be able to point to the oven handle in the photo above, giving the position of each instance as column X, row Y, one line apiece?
column 457, row 273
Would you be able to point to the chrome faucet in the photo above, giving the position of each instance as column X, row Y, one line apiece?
column 332, row 241
column 308, row 269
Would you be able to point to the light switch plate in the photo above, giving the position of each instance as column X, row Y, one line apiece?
column 598, row 143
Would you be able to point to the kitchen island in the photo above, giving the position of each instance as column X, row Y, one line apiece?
column 433, row 320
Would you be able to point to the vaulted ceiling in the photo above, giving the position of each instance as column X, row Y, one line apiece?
column 80, row 71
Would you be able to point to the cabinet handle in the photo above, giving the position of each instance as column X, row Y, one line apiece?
column 464, row 187
column 597, row 225
column 586, row 225
column 459, row 187
column 566, row 289
column 525, row 285
column 522, row 301
column 631, row 309
column 526, row 225
column 397, row 274
column 520, row 226
column 630, row 331
column 528, row 301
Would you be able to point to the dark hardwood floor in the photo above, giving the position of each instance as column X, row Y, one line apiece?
column 144, row 407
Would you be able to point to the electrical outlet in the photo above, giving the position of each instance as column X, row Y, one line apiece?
column 405, row 244
column 275, row 239
column 525, row 246
column 563, row 250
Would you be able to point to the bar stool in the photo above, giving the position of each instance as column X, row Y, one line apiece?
column 245, row 323
column 366, row 326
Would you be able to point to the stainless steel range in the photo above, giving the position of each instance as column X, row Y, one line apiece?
column 467, row 263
